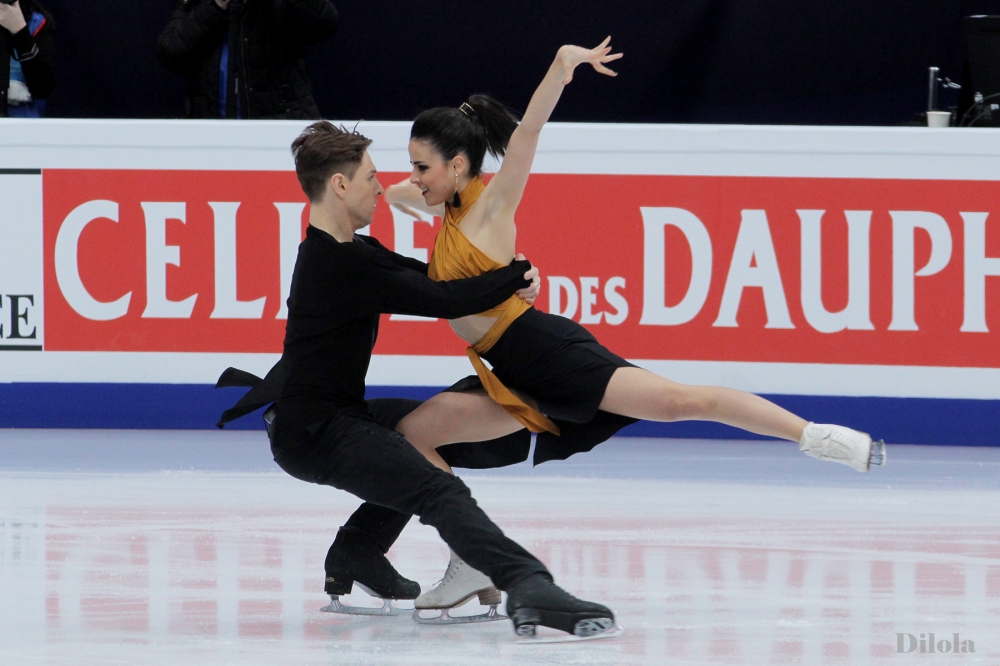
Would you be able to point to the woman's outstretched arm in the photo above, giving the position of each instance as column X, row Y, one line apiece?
column 508, row 184
column 405, row 196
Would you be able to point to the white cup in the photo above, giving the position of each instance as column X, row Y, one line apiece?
column 938, row 118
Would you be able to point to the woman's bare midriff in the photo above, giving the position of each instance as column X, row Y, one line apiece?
column 472, row 328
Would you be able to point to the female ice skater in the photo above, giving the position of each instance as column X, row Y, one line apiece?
column 549, row 373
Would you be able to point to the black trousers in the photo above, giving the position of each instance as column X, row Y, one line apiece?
column 379, row 466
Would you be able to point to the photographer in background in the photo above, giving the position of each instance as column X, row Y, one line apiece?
column 27, row 58
column 244, row 58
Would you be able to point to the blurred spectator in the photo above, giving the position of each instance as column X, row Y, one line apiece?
column 244, row 58
column 26, row 34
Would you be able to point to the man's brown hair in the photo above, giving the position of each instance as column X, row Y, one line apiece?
column 323, row 150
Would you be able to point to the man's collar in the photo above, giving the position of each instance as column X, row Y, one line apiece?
column 326, row 234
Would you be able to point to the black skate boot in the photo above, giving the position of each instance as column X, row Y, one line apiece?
column 355, row 558
column 536, row 600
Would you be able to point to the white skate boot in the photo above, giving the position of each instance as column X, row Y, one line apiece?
column 839, row 444
column 460, row 583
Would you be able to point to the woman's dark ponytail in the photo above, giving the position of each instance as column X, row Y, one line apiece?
column 497, row 121
column 479, row 125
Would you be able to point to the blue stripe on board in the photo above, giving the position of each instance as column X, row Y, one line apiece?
column 198, row 406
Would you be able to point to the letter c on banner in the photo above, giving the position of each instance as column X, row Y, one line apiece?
column 654, row 309
column 67, row 266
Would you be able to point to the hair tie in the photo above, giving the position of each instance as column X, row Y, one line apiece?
column 467, row 109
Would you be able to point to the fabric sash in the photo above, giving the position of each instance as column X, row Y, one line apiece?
column 456, row 257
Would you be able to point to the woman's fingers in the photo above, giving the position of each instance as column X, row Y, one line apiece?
column 603, row 47
column 605, row 57
column 598, row 64
column 604, row 70
column 602, row 54
column 597, row 56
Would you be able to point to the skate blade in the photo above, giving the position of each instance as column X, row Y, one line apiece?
column 387, row 609
column 878, row 455
column 444, row 618
column 570, row 638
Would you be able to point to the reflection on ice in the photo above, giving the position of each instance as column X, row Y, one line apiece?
column 810, row 564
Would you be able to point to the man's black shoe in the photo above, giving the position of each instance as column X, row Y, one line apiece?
column 355, row 558
column 536, row 600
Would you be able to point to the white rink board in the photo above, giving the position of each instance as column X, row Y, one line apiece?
column 832, row 152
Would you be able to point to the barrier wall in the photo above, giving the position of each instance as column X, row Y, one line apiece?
column 851, row 274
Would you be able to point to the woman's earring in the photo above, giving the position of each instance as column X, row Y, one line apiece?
column 457, row 201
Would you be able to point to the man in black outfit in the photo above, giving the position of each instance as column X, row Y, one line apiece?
column 324, row 432
column 245, row 58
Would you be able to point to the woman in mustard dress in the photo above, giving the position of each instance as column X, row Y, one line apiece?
column 549, row 374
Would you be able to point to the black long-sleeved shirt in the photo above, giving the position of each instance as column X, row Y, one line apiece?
column 338, row 292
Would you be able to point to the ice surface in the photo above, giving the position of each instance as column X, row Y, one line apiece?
column 159, row 548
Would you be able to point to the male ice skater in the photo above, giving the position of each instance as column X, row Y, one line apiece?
column 324, row 432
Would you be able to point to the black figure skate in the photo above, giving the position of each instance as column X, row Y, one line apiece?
column 354, row 558
column 536, row 600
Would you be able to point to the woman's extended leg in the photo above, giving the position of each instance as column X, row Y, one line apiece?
column 451, row 417
column 641, row 394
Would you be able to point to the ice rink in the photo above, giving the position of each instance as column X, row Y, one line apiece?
column 155, row 548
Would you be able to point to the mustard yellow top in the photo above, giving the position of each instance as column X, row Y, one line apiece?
column 456, row 257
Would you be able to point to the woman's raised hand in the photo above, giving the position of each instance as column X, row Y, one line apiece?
column 570, row 56
column 505, row 190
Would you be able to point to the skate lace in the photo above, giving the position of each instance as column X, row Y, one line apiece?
column 842, row 442
column 454, row 565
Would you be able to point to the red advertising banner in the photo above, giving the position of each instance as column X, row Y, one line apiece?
column 147, row 274
column 800, row 270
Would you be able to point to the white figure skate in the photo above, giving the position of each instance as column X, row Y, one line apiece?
column 460, row 584
column 839, row 444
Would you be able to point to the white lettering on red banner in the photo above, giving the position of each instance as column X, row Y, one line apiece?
column 793, row 270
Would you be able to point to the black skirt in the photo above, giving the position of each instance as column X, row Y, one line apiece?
column 566, row 371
